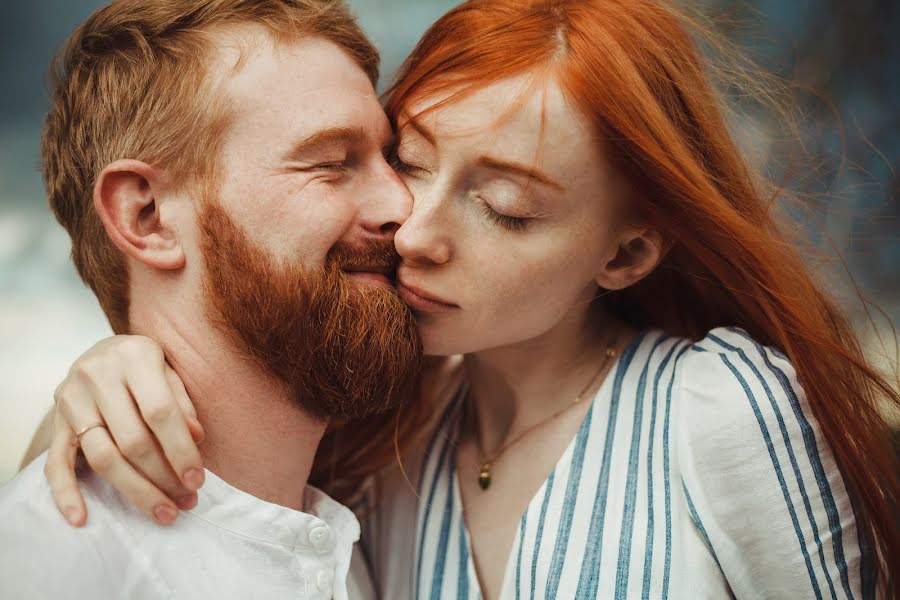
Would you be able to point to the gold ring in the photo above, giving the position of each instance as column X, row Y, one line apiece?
column 88, row 428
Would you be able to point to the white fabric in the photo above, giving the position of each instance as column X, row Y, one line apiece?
column 699, row 472
column 232, row 545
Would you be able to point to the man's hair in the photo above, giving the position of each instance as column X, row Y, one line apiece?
column 131, row 82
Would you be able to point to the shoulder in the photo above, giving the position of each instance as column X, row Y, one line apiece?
column 734, row 391
column 759, row 478
column 41, row 554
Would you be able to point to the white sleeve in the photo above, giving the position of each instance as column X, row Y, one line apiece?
column 759, row 480
column 41, row 556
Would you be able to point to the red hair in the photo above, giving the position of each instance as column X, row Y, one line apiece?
column 632, row 68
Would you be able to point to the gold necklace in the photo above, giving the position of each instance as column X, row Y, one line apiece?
column 485, row 475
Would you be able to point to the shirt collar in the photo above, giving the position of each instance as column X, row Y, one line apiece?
column 323, row 527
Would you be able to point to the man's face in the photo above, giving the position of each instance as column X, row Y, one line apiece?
column 299, row 238
column 302, row 163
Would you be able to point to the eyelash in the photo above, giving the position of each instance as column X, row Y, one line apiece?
column 338, row 167
column 402, row 167
column 505, row 221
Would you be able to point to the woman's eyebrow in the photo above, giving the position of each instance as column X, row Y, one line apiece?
column 519, row 169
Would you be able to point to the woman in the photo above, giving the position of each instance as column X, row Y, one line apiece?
column 654, row 398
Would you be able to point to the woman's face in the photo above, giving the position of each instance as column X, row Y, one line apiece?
column 514, row 220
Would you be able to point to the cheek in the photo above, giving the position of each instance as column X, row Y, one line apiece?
column 511, row 297
column 530, row 291
column 291, row 220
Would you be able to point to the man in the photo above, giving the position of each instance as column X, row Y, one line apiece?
column 219, row 165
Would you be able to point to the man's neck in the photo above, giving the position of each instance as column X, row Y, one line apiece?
column 256, row 437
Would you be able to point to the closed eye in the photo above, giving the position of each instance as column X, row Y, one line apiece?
column 505, row 221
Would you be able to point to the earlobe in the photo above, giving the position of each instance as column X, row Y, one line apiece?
column 126, row 200
column 639, row 252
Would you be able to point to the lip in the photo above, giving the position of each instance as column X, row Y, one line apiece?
column 421, row 300
column 374, row 277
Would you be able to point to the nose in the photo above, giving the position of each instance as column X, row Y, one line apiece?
column 385, row 202
column 423, row 239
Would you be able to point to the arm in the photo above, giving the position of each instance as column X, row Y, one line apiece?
column 760, row 481
column 145, row 444
column 41, row 440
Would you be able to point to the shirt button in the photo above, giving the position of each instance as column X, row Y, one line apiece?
column 320, row 538
column 324, row 580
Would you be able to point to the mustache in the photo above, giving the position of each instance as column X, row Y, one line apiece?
column 373, row 255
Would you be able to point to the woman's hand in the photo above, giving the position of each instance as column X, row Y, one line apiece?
column 145, row 444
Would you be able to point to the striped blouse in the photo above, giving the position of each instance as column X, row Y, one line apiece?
column 698, row 472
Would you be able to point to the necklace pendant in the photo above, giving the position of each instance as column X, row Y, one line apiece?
column 484, row 477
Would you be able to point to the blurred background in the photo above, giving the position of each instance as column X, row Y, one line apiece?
column 846, row 51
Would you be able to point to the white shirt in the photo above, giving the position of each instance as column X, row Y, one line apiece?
column 232, row 545
column 698, row 472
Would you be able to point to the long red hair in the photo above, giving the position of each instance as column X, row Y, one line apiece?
column 632, row 67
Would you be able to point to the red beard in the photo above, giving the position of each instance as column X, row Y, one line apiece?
column 344, row 350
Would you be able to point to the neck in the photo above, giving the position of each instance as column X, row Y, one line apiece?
column 257, row 438
column 514, row 387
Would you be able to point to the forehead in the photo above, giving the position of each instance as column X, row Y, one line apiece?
column 519, row 119
column 294, row 88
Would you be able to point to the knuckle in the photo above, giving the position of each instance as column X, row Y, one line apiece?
column 137, row 347
column 102, row 460
column 159, row 413
column 50, row 470
column 84, row 369
column 136, row 446
column 62, row 391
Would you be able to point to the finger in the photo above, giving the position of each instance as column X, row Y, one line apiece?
column 104, row 457
column 163, row 414
column 138, row 444
column 115, row 407
column 60, row 472
column 187, row 406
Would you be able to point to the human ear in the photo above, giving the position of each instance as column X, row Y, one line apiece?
column 637, row 253
column 127, row 200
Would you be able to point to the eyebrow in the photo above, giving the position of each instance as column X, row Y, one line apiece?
column 495, row 163
column 421, row 130
column 320, row 140
column 519, row 169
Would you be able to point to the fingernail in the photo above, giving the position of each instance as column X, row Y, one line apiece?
column 164, row 513
column 187, row 502
column 72, row 515
column 193, row 478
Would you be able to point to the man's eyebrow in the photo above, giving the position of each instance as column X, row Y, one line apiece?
column 519, row 169
column 326, row 137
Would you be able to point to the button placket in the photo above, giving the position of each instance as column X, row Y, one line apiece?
column 321, row 538
column 325, row 580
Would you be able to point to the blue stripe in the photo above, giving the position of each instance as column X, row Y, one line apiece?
column 463, row 584
column 648, row 553
column 812, row 450
column 842, row 564
column 540, row 532
column 699, row 524
column 589, row 579
column 624, row 564
column 427, row 516
column 522, row 526
column 667, row 485
column 437, row 580
column 868, row 574
column 568, row 509
column 775, row 463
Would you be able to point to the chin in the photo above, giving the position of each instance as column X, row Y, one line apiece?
column 439, row 341
column 450, row 341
